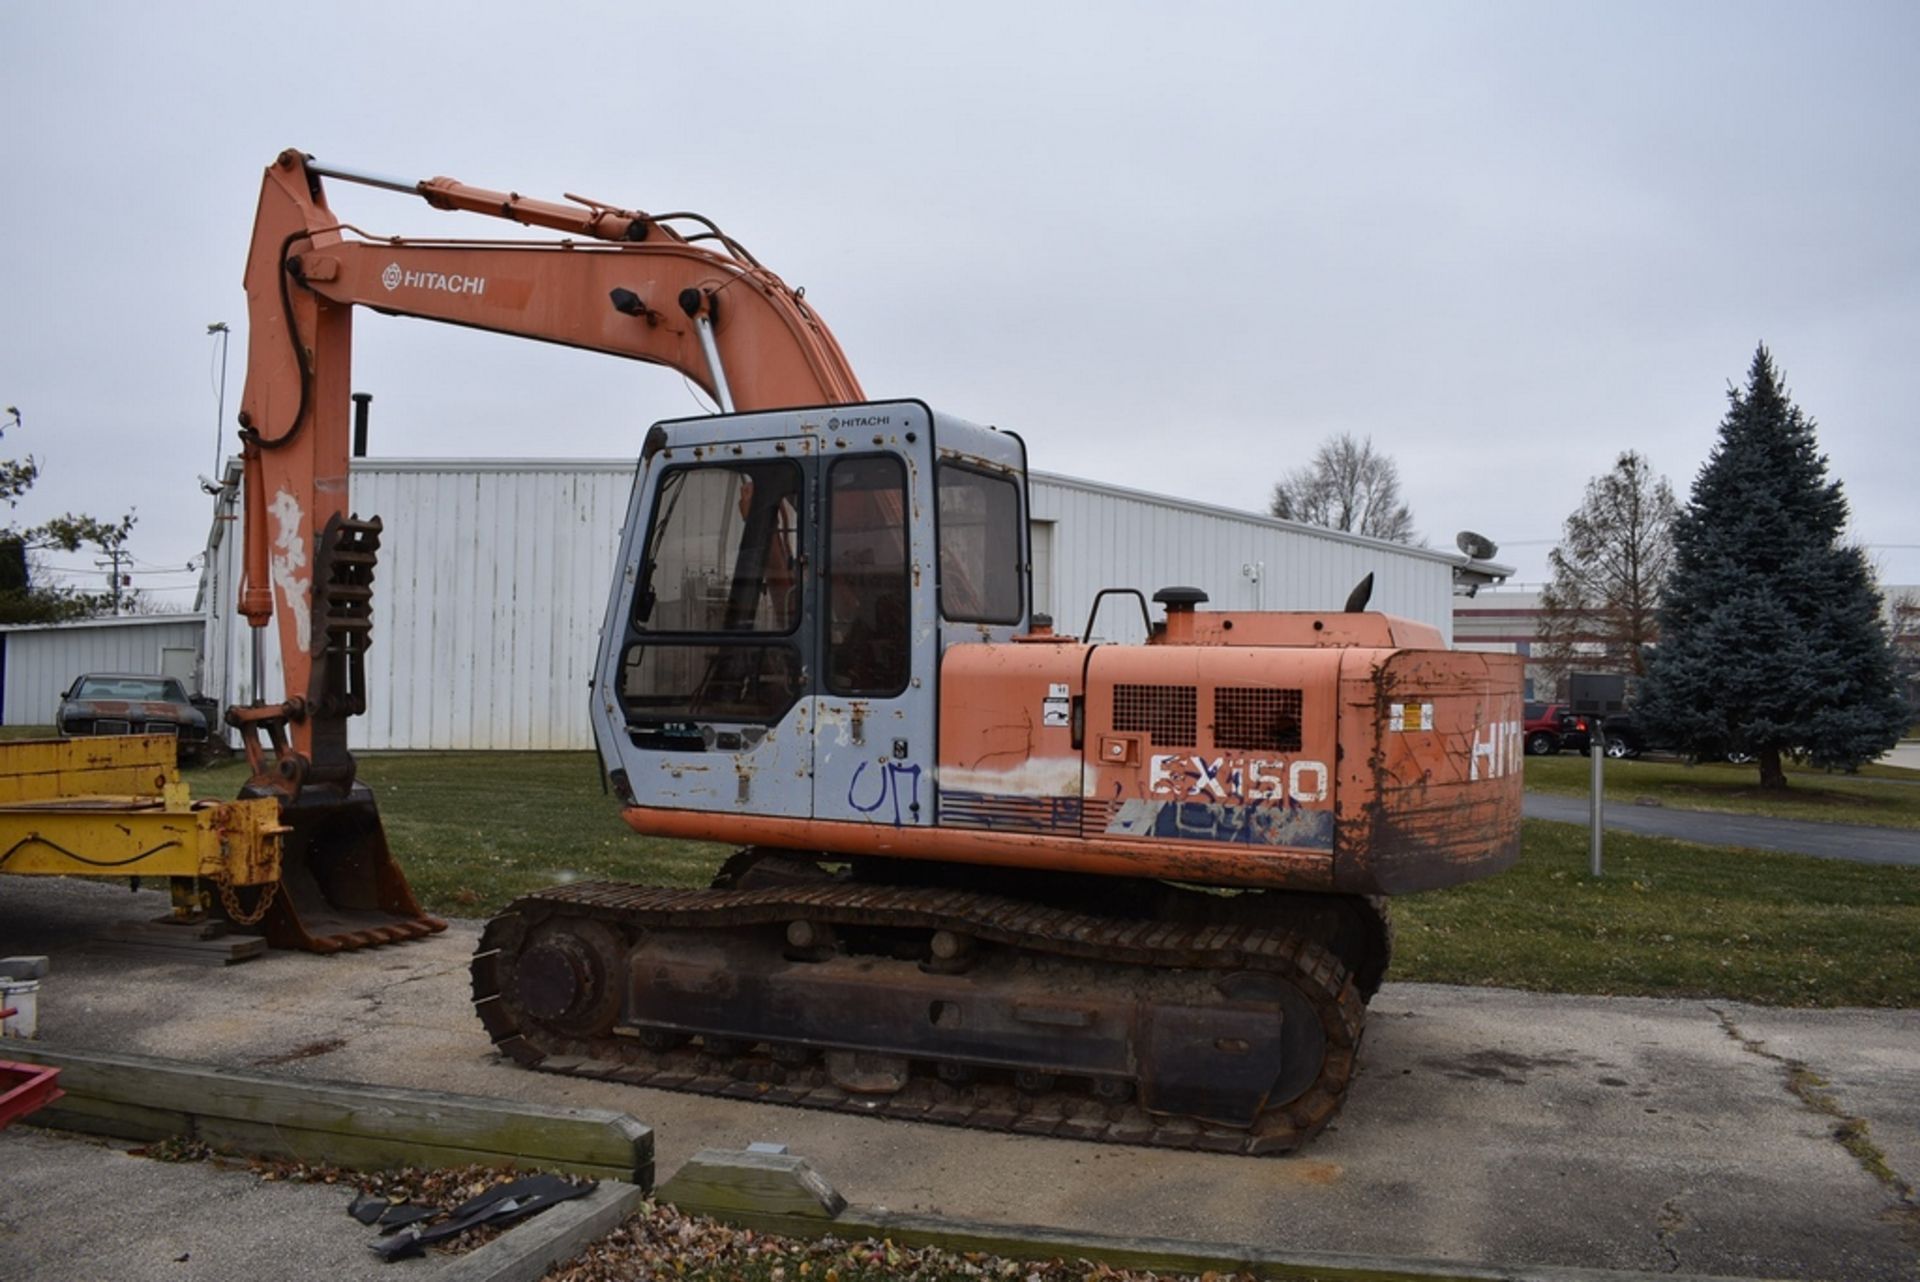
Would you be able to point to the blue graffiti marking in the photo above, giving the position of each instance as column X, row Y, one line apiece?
column 889, row 788
column 1244, row 825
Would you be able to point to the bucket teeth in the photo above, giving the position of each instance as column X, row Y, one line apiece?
column 340, row 887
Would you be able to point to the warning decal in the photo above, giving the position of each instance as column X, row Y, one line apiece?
column 1402, row 717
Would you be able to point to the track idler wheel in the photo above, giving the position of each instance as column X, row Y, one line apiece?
column 567, row 975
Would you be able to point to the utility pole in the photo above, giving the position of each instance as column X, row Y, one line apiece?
column 115, row 557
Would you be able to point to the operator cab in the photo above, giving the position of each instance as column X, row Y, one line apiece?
column 788, row 582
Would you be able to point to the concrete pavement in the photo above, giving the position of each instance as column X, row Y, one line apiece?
column 74, row 1210
column 1487, row 1126
column 1905, row 754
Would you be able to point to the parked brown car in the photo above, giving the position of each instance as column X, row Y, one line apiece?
column 130, row 703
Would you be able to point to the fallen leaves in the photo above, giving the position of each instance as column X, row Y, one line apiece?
column 660, row 1242
column 175, row 1148
column 431, row 1186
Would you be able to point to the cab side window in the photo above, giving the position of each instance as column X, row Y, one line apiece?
column 868, row 593
column 980, row 579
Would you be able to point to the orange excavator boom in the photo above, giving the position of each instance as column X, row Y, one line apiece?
column 670, row 301
column 696, row 302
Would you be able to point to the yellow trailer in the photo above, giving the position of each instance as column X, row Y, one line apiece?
column 117, row 807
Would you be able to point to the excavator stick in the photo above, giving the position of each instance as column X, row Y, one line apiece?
column 339, row 886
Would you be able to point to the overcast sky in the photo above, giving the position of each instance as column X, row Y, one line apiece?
column 1174, row 246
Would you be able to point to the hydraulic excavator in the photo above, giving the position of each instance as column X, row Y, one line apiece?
column 989, row 874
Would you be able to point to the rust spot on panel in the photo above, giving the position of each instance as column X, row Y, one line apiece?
column 1443, row 800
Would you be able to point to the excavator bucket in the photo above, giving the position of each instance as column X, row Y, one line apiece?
column 339, row 886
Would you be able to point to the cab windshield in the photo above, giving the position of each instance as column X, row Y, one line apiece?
column 151, row 689
column 714, row 635
column 722, row 554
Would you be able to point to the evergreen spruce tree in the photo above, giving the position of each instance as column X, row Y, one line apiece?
column 1772, row 639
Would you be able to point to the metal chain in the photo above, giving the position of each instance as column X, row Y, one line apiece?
column 231, row 902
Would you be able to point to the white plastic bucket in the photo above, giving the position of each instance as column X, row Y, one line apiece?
column 22, row 996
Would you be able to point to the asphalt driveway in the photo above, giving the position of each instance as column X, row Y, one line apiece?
column 1856, row 842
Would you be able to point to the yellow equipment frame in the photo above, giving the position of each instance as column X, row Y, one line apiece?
column 117, row 807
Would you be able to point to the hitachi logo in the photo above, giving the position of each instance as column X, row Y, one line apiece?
column 395, row 276
column 865, row 420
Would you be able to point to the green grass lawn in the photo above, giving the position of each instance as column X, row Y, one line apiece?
column 1672, row 919
column 1866, row 798
column 475, row 829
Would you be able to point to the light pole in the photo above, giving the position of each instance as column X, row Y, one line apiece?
column 220, row 404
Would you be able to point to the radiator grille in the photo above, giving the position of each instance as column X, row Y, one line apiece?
column 1168, row 714
column 1246, row 717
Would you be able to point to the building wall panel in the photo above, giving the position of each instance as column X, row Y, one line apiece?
column 43, row 661
column 488, row 601
column 1105, row 537
column 494, row 577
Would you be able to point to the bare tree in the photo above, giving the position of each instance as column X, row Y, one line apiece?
column 1903, row 611
column 1347, row 487
column 1600, row 610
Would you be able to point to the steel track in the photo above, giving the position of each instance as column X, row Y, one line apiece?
column 1308, row 966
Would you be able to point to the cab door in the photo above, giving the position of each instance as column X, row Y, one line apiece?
column 704, row 694
column 875, row 646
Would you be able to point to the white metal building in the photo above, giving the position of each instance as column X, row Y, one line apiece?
column 1089, row 536
column 494, row 576
column 42, row 659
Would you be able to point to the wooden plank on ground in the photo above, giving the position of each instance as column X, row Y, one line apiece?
column 115, row 1119
column 551, row 1238
column 780, row 1194
column 724, row 1181
column 1167, row 1256
column 345, row 1123
column 186, row 943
